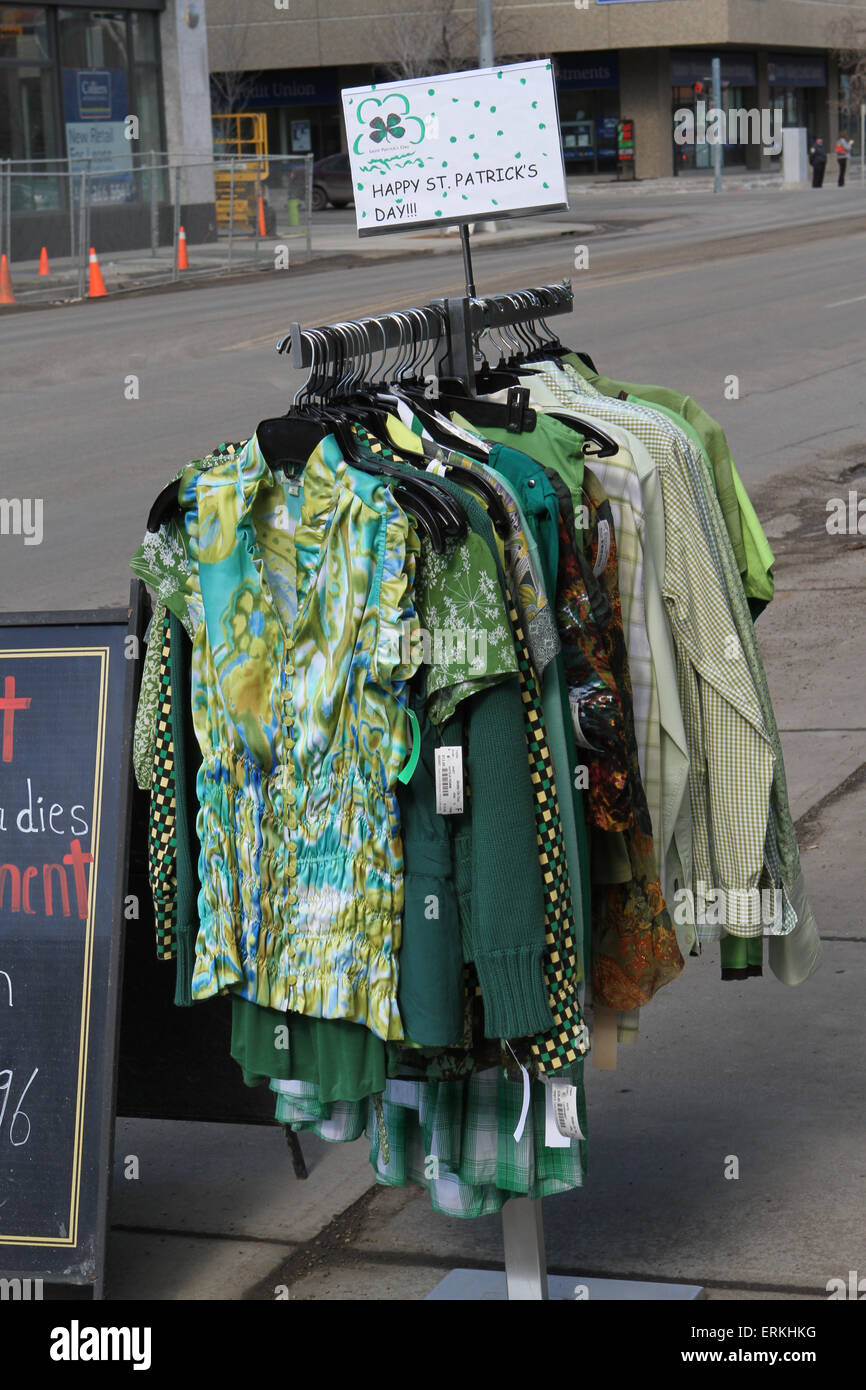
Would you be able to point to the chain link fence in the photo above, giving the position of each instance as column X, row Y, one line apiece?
column 150, row 220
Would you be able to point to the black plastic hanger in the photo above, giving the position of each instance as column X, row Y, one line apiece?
column 467, row 477
column 607, row 446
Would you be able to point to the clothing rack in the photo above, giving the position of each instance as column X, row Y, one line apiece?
column 341, row 355
column 453, row 326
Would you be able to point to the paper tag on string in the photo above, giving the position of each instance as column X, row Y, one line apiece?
column 449, row 781
column 563, row 1100
column 603, row 547
column 524, row 1109
column 553, row 1136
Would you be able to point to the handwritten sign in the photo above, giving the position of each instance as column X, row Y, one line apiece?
column 65, row 716
column 434, row 151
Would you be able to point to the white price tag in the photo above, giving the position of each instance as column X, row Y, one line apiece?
column 564, row 1103
column 553, row 1137
column 449, row 781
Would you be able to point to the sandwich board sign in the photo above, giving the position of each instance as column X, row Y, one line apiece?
column 66, row 690
column 437, row 151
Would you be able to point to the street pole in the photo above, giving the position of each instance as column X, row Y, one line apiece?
column 486, row 57
column 717, row 103
column 863, row 141
column 485, row 34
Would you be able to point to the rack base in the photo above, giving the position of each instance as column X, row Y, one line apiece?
column 490, row 1285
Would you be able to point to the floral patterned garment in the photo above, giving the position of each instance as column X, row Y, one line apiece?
column 465, row 638
column 299, row 593
column 634, row 946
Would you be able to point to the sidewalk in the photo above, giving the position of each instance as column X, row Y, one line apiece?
column 754, row 1069
column 134, row 270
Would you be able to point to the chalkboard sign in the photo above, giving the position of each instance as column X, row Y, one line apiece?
column 67, row 684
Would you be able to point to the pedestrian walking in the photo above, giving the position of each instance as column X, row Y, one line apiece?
column 818, row 161
column 844, row 147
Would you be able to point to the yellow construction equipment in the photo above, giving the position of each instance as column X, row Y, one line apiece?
column 240, row 144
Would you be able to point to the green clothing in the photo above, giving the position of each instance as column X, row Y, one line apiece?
column 496, row 864
column 343, row 1059
column 431, row 987
column 530, row 490
column 560, row 1046
column 551, row 443
column 467, row 1125
column 187, row 759
column 751, row 548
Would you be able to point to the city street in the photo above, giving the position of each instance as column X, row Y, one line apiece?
column 753, row 303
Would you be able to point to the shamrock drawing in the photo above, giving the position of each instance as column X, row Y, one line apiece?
column 387, row 129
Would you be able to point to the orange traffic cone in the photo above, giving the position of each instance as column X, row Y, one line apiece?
column 6, row 295
column 44, row 268
column 97, row 284
column 182, row 261
column 262, row 226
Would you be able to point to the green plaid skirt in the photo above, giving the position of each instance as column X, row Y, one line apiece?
column 455, row 1138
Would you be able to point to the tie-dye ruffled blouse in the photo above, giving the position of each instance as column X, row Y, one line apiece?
column 301, row 596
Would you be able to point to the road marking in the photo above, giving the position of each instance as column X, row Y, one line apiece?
column 839, row 302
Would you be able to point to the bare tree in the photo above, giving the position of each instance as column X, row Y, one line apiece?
column 232, row 85
column 443, row 37
column 849, row 39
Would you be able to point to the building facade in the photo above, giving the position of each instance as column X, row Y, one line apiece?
column 110, row 92
column 636, row 59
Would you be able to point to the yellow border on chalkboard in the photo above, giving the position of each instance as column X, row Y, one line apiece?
column 104, row 654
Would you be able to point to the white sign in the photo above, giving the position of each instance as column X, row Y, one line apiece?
column 453, row 148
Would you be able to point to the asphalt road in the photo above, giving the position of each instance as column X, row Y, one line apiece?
column 684, row 290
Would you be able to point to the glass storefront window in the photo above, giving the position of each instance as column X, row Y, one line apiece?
column 144, row 36
column 27, row 113
column 24, row 35
column 147, row 109
column 92, row 39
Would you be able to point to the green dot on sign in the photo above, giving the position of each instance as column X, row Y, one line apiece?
column 431, row 91
column 360, row 186
column 523, row 81
column 455, row 98
column 465, row 197
column 476, row 103
column 472, row 137
column 476, row 156
column 438, row 212
column 499, row 74
column 500, row 132
column 534, row 104
column 363, row 214
column 545, row 185
column 495, row 204
column 517, row 156
column 453, row 139
column 445, row 164
column 493, row 108
column 547, row 67
column 541, row 125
